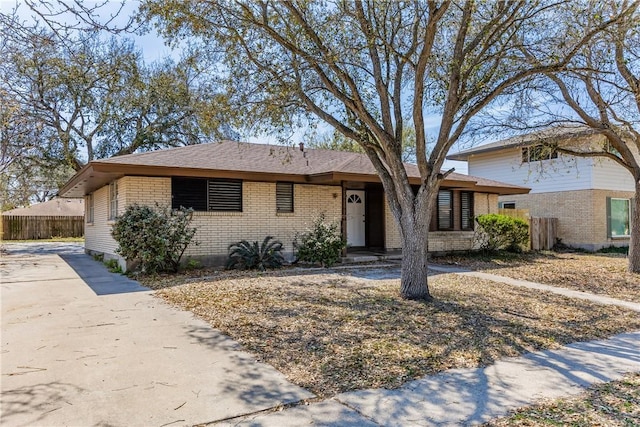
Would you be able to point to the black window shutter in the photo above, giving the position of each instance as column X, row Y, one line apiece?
column 189, row 193
column 284, row 197
column 225, row 195
column 466, row 210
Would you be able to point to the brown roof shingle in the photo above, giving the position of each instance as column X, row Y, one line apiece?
column 247, row 161
column 55, row 207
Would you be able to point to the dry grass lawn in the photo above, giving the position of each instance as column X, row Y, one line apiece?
column 611, row 404
column 604, row 274
column 333, row 332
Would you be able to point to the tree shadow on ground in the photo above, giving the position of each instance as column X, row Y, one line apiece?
column 34, row 402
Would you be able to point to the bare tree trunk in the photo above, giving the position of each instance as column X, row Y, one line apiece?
column 413, row 282
column 414, row 227
column 634, row 244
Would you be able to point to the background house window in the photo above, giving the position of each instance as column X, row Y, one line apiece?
column 445, row 210
column 88, row 201
column 466, row 210
column 113, row 200
column 284, row 197
column 507, row 205
column 535, row 153
column 618, row 217
column 201, row 194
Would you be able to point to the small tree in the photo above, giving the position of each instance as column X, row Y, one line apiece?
column 322, row 243
column 497, row 232
column 156, row 238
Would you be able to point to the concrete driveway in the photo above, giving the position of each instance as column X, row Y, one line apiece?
column 82, row 346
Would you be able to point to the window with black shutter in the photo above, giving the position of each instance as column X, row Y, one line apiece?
column 466, row 210
column 224, row 195
column 284, row 197
column 445, row 210
column 189, row 193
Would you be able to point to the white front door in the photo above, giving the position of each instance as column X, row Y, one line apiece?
column 355, row 218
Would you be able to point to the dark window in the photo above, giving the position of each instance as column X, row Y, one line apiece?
column 538, row 152
column 466, row 210
column 225, row 195
column 202, row 194
column 445, row 210
column 284, row 197
column 189, row 193
column 507, row 205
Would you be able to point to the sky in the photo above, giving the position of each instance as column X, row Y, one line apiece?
column 154, row 48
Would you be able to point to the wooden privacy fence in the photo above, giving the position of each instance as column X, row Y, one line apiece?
column 543, row 233
column 41, row 227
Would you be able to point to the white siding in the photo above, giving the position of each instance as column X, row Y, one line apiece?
column 566, row 173
column 609, row 175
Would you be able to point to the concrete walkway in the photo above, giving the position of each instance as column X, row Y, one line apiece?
column 461, row 397
column 102, row 351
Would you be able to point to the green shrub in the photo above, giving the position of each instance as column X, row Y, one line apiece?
column 156, row 238
column 322, row 243
column 497, row 232
column 248, row 256
column 113, row 266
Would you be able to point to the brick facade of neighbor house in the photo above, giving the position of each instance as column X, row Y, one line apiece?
column 582, row 215
column 571, row 188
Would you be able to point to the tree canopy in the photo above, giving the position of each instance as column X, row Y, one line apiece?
column 369, row 69
column 69, row 97
column 600, row 89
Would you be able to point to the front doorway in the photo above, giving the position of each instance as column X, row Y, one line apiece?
column 355, row 218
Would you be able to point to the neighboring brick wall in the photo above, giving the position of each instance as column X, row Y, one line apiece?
column 582, row 214
column 485, row 203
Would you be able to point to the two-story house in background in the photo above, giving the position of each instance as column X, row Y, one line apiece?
column 590, row 196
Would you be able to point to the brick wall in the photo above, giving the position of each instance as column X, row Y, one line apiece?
column 216, row 230
column 443, row 241
column 582, row 214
